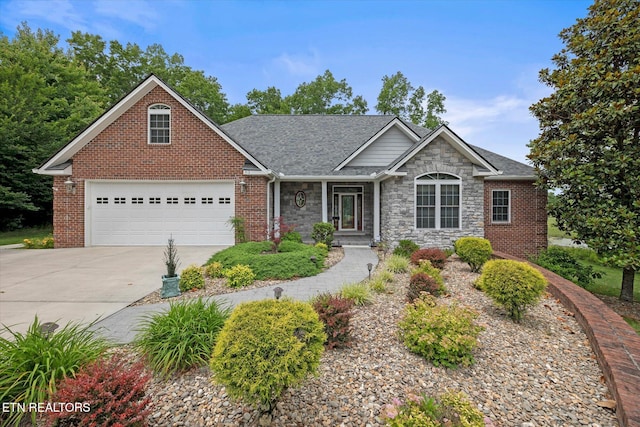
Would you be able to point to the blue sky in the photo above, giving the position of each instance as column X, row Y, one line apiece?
column 483, row 55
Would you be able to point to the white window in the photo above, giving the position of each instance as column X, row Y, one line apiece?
column 437, row 201
column 501, row 206
column 159, row 124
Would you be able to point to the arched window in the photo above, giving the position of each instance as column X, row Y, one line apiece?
column 159, row 124
column 437, row 201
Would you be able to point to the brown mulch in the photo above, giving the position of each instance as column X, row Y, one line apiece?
column 623, row 308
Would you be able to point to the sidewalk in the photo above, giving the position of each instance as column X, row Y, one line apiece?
column 121, row 327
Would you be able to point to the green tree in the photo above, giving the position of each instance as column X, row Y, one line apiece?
column 400, row 98
column 326, row 95
column 45, row 99
column 268, row 101
column 589, row 145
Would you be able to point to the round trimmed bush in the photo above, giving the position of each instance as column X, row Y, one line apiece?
column 422, row 282
column 191, row 278
column 513, row 285
column 214, row 270
column 239, row 276
column 436, row 256
column 323, row 233
column 265, row 347
column 475, row 251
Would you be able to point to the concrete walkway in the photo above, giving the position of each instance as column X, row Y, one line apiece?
column 121, row 327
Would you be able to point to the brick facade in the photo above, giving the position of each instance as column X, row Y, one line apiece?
column 526, row 233
column 121, row 152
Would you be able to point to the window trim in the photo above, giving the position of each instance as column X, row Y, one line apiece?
column 438, row 182
column 158, row 109
column 508, row 191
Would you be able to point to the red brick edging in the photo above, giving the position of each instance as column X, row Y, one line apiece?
column 615, row 343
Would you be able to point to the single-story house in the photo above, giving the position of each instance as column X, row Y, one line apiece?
column 154, row 166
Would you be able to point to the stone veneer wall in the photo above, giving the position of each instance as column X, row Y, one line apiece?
column 398, row 198
column 303, row 217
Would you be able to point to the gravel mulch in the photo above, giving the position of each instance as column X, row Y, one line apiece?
column 541, row 372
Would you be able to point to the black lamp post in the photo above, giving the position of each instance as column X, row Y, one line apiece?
column 369, row 267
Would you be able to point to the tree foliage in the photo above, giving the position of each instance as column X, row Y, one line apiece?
column 589, row 145
column 326, row 95
column 399, row 97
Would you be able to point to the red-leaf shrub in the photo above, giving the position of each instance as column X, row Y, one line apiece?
column 421, row 282
column 435, row 255
column 335, row 312
column 108, row 392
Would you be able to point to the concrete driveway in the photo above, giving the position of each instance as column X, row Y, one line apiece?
column 81, row 284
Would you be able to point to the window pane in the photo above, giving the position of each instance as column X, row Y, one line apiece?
column 449, row 217
column 500, row 206
column 426, row 195
column 426, row 217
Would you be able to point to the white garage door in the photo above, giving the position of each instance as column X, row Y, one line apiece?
column 148, row 213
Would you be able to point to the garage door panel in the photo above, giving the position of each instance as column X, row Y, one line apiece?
column 129, row 213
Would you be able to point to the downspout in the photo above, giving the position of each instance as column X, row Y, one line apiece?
column 271, row 181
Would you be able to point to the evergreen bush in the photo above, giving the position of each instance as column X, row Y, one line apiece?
column 475, row 251
column 191, row 278
column 513, row 285
column 239, row 276
column 265, row 347
column 405, row 248
column 322, row 232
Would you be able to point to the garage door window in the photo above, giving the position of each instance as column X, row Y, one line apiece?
column 159, row 124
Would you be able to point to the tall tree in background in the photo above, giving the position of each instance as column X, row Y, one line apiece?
column 45, row 99
column 589, row 145
column 268, row 101
column 326, row 95
column 400, row 98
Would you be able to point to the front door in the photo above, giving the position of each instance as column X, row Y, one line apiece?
column 348, row 219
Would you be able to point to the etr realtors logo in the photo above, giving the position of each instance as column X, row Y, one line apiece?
column 46, row 407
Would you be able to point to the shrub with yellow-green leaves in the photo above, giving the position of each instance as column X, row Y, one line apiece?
column 265, row 347
column 191, row 278
column 214, row 270
column 513, row 285
column 445, row 335
column 475, row 251
column 450, row 409
column 239, row 275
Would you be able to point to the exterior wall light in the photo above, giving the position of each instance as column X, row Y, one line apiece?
column 243, row 186
column 70, row 185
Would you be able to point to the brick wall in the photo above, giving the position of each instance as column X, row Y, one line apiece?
column 121, row 151
column 526, row 233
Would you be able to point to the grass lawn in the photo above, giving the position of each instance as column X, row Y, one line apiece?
column 17, row 236
column 553, row 231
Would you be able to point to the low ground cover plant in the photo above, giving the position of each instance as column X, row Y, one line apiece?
column 112, row 392
column 239, row 276
column 405, row 248
column 436, row 256
column 563, row 262
column 33, row 362
column 335, row 312
column 475, row 251
column 359, row 293
column 292, row 259
column 38, row 243
column 397, row 264
column 182, row 337
column 444, row 335
column 513, row 285
column 191, row 278
column 266, row 347
column 450, row 409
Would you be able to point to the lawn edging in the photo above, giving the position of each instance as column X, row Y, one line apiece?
column 615, row 343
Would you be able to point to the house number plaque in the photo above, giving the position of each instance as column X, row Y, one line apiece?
column 301, row 199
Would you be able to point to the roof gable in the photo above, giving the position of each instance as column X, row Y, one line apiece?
column 65, row 154
column 383, row 147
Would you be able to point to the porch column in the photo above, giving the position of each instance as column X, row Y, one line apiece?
column 376, row 210
column 276, row 198
column 324, row 202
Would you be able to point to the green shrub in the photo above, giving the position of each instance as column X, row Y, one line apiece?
column 265, row 347
column 323, row 233
column 32, row 363
column 292, row 236
column 445, row 335
column 385, row 275
column 513, row 285
column 451, row 409
column 214, row 270
column 397, row 264
column 335, row 312
column 292, row 260
column 422, row 282
column 239, row 276
column 563, row 262
column 436, row 256
column 359, row 293
column 322, row 247
column 475, row 251
column 405, row 248
column 182, row 337
column 191, row 278
column 378, row 284
column 237, row 223
column 114, row 389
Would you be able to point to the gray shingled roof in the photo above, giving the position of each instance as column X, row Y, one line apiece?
column 315, row 144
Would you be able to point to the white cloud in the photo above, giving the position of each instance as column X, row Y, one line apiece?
column 59, row 12
column 140, row 13
column 304, row 65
